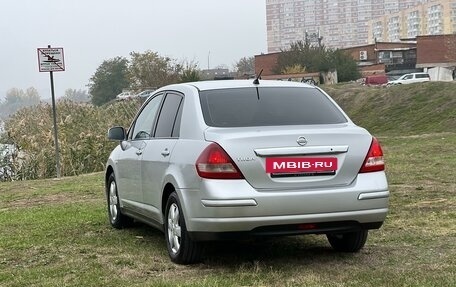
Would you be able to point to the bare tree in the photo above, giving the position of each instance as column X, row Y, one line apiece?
column 16, row 99
column 149, row 69
column 245, row 66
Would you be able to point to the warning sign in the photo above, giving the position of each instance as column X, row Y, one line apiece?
column 51, row 60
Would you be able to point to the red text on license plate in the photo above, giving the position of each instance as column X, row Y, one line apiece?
column 296, row 164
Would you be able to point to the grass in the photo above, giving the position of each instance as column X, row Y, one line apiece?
column 399, row 110
column 56, row 232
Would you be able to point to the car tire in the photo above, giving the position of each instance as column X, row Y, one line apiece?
column 311, row 82
column 116, row 217
column 348, row 242
column 181, row 249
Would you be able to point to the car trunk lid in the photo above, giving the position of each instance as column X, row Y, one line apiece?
column 315, row 156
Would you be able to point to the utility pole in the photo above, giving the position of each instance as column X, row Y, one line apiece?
column 320, row 38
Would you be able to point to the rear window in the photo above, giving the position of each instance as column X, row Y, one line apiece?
column 271, row 106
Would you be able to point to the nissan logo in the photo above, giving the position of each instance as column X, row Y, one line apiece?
column 302, row 141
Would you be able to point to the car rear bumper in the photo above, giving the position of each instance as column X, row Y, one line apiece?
column 291, row 224
column 235, row 206
column 285, row 230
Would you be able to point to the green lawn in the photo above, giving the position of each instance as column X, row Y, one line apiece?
column 56, row 233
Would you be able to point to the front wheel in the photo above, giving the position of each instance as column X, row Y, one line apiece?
column 348, row 242
column 311, row 82
column 116, row 218
column 181, row 249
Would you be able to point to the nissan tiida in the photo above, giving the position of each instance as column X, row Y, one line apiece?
column 238, row 159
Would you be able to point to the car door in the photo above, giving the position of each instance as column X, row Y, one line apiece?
column 408, row 79
column 129, row 164
column 157, row 152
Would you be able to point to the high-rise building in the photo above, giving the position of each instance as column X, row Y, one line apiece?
column 334, row 23
column 432, row 18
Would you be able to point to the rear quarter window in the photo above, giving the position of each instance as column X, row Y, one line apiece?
column 269, row 106
column 421, row 76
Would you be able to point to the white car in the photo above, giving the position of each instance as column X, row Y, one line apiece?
column 124, row 95
column 411, row 78
column 145, row 94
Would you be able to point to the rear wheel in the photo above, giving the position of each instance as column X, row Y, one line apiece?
column 116, row 218
column 181, row 248
column 348, row 242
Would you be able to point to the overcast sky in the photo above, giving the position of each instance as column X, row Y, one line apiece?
column 91, row 31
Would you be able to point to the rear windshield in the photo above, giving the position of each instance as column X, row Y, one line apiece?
column 272, row 106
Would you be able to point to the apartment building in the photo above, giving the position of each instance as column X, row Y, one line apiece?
column 435, row 17
column 333, row 23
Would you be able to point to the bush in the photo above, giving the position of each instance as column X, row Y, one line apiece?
column 82, row 130
column 317, row 59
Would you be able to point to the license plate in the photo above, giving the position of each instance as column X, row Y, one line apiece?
column 296, row 164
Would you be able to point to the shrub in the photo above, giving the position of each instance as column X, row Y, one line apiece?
column 82, row 130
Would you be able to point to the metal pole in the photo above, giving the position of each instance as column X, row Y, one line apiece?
column 54, row 113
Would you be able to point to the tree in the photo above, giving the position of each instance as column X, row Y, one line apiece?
column 190, row 73
column 110, row 78
column 245, row 66
column 317, row 59
column 347, row 69
column 79, row 96
column 149, row 69
column 17, row 99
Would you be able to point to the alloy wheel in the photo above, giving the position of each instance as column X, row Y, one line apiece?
column 113, row 208
column 174, row 228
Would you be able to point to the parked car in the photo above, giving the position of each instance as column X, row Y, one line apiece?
column 411, row 78
column 233, row 159
column 144, row 94
column 125, row 95
column 376, row 80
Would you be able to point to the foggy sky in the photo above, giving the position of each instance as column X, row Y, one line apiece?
column 91, row 31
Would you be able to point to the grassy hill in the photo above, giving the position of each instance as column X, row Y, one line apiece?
column 400, row 110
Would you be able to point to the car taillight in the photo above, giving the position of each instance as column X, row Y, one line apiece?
column 215, row 163
column 374, row 159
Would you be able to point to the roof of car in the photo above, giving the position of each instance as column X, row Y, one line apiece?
column 418, row 73
column 226, row 84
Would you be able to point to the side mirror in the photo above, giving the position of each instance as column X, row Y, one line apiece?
column 116, row 133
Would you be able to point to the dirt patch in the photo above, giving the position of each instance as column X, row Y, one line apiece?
column 48, row 199
column 441, row 135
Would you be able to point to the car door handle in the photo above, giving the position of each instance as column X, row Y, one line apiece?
column 165, row 152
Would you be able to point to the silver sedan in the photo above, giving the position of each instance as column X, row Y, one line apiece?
column 234, row 159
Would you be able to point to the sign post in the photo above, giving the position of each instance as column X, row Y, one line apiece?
column 51, row 60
